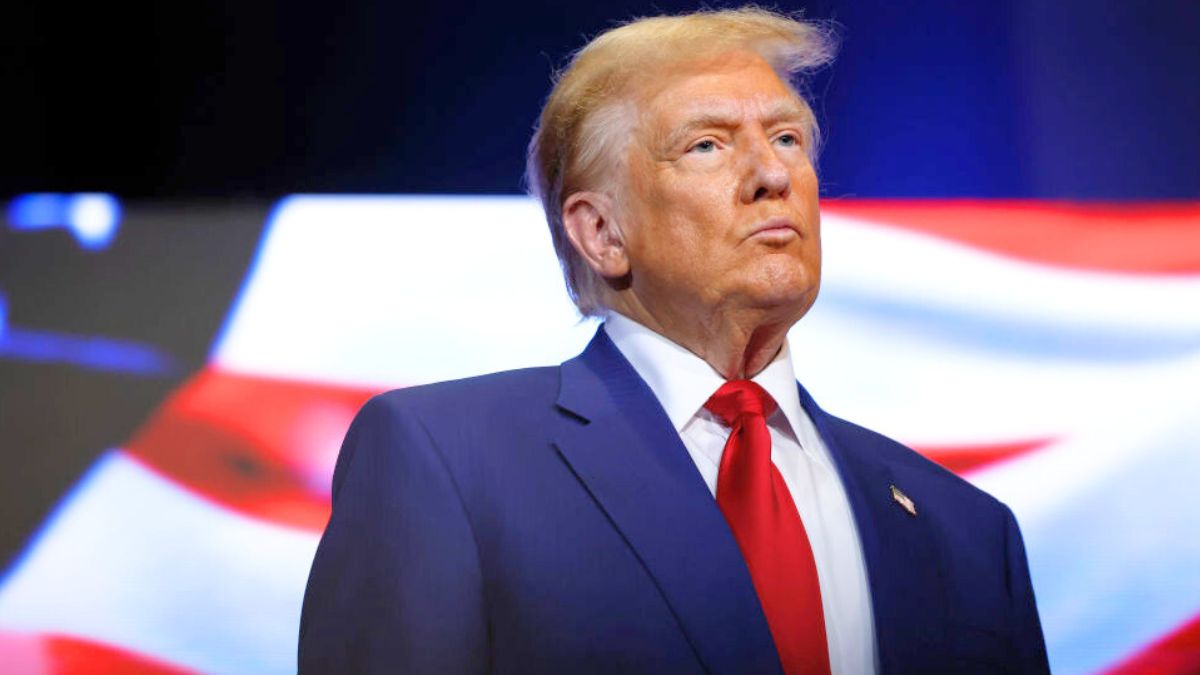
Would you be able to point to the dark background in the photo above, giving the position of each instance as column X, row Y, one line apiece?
column 1026, row 99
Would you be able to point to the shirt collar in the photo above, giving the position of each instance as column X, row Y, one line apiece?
column 682, row 381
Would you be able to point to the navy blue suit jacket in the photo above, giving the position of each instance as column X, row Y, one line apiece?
column 550, row 520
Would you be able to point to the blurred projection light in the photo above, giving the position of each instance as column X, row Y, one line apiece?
column 91, row 216
column 94, row 219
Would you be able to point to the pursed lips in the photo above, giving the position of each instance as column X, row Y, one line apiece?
column 776, row 227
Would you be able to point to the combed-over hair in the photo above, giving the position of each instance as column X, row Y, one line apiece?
column 586, row 121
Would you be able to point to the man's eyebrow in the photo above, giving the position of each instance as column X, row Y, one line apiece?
column 785, row 111
column 724, row 117
column 704, row 119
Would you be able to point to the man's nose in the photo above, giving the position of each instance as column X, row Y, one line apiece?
column 765, row 176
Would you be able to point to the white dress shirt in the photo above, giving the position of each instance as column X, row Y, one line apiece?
column 683, row 382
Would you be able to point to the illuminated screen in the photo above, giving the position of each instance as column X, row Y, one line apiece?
column 177, row 380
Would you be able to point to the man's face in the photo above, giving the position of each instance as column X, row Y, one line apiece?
column 720, row 209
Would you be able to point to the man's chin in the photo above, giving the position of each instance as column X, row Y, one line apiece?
column 783, row 303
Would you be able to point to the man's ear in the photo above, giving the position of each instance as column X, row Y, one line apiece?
column 591, row 224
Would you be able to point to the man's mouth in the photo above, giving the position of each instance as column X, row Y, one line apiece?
column 776, row 228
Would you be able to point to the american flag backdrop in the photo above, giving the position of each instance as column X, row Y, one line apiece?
column 1048, row 352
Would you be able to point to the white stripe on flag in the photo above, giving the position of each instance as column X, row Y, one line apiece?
column 133, row 560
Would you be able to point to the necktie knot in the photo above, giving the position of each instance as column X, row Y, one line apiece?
column 736, row 398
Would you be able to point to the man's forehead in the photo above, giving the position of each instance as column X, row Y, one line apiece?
column 735, row 85
column 774, row 106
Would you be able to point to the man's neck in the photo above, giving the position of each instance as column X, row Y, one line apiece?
column 738, row 345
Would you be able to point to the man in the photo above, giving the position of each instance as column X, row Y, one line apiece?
column 563, row 520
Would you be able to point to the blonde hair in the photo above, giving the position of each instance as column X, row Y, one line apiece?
column 587, row 117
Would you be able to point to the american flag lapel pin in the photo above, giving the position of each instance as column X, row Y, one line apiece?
column 904, row 501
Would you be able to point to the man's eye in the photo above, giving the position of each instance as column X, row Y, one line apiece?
column 704, row 146
column 788, row 140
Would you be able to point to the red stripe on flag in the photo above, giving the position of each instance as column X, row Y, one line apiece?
column 262, row 446
column 1176, row 654
column 967, row 458
column 1139, row 238
column 33, row 654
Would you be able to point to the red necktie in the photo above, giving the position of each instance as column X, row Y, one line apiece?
column 756, row 503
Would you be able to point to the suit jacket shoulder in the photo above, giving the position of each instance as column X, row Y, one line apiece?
column 480, row 427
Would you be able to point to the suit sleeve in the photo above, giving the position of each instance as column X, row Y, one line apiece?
column 1029, row 646
column 396, row 584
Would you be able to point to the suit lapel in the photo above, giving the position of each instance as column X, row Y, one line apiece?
column 904, row 564
column 623, row 448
